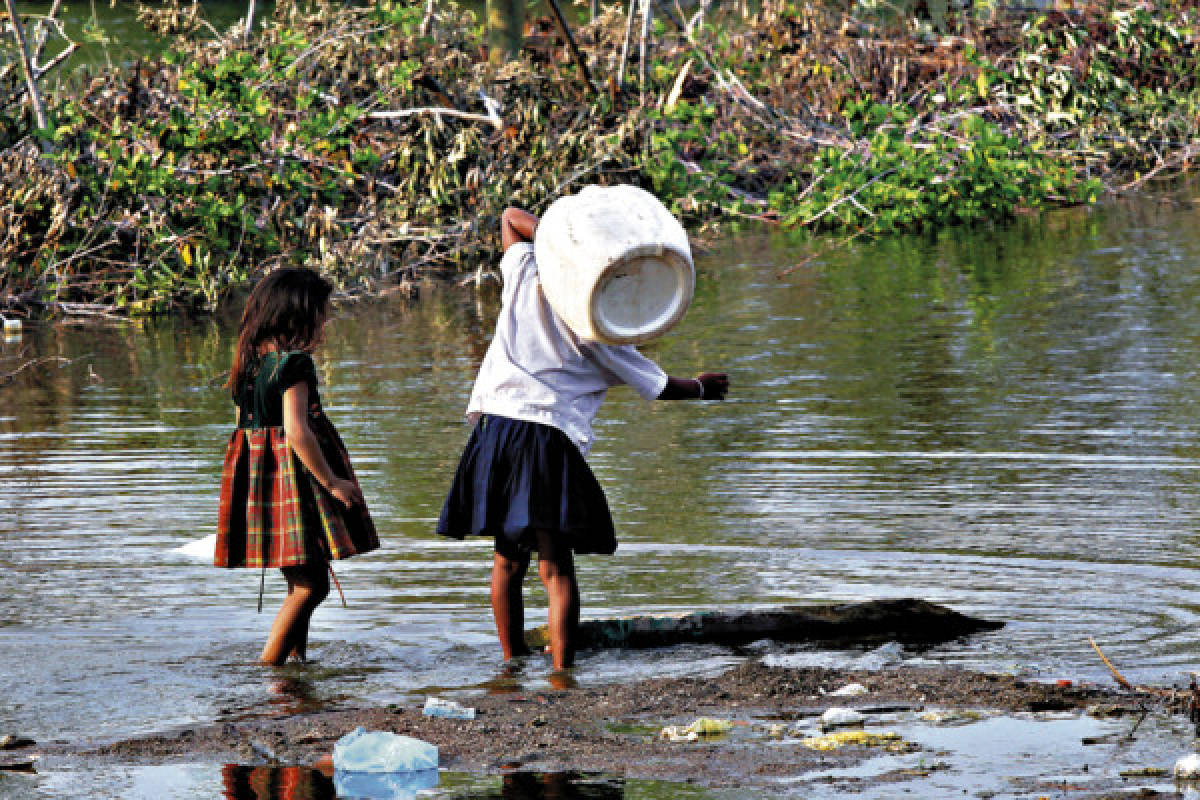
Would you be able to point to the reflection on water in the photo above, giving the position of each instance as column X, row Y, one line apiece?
column 304, row 783
column 1004, row 421
column 275, row 783
column 552, row 786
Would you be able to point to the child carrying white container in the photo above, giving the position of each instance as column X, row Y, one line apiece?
column 522, row 478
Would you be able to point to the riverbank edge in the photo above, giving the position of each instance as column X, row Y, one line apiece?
column 367, row 142
column 613, row 729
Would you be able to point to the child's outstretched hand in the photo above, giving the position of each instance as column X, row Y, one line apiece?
column 715, row 384
column 347, row 493
column 705, row 386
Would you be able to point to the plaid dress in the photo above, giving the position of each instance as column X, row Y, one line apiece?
column 273, row 513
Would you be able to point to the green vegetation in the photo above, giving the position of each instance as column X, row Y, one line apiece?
column 363, row 140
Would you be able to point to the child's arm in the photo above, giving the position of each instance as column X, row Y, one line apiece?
column 516, row 225
column 705, row 386
column 301, row 439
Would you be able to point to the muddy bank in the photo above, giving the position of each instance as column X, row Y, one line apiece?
column 615, row 729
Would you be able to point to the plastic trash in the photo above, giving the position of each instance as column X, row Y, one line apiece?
column 841, row 718
column 850, row 690
column 437, row 707
column 383, row 785
column 882, row 656
column 777, row 731
column 12, row 329
column 833, row 741
column 703, row 726
column 1187, row 768
column 951, row 716
column 379, row 751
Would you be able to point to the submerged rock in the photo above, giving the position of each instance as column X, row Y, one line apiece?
column 903, row 619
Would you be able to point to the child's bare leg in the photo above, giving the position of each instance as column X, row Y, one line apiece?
column 556, row 565
column 508, row 608
column 307, row 587
column 317, row 576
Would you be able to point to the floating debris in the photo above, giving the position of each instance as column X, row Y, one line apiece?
column 702, row 727
column 952, row 716
column 832, row 741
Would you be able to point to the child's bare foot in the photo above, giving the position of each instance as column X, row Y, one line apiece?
column 562, row 679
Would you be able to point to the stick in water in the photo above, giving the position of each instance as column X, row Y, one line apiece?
column 335, row 583
column 1120, row 678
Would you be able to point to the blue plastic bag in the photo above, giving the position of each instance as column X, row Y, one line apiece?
column 379, row 751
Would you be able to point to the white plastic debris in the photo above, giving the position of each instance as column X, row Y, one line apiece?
column 703, row 726
column 678, row 733
column 841, row 718
column 1187, row 768
column 380, row 751
column 437, row 707
column 850, row 690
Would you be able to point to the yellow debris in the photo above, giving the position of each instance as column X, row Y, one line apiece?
column 703, row 726
column 832, row 741
column 706, row 726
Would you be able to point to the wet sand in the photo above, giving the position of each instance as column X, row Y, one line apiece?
column 615, row 729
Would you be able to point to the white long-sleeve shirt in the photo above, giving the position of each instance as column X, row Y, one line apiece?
column 537, row 369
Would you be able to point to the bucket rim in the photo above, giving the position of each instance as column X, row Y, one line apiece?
column 685, row 286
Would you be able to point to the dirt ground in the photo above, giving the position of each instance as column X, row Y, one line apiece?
column 615, row 729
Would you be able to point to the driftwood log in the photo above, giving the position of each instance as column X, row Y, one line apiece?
column 908, row 620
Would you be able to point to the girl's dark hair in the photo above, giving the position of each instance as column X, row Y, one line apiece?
column 285, row 309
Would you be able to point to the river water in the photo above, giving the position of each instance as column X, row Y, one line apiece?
column 1003, row 421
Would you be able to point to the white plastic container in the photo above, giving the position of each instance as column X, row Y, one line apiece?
column 614, row 264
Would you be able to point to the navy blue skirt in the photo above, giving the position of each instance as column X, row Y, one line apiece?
column 517, row 477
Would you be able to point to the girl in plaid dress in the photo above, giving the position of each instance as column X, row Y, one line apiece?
column 289, row 498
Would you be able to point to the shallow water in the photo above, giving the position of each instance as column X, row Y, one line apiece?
column 1001, row 421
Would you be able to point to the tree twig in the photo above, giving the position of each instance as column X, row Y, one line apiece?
column 492, row 119
column 847, row 198
column 8, row 377
column 35, row 97
column 565, row 29
column 1118, row 676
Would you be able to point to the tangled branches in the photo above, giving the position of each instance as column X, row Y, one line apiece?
column 376, row 143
